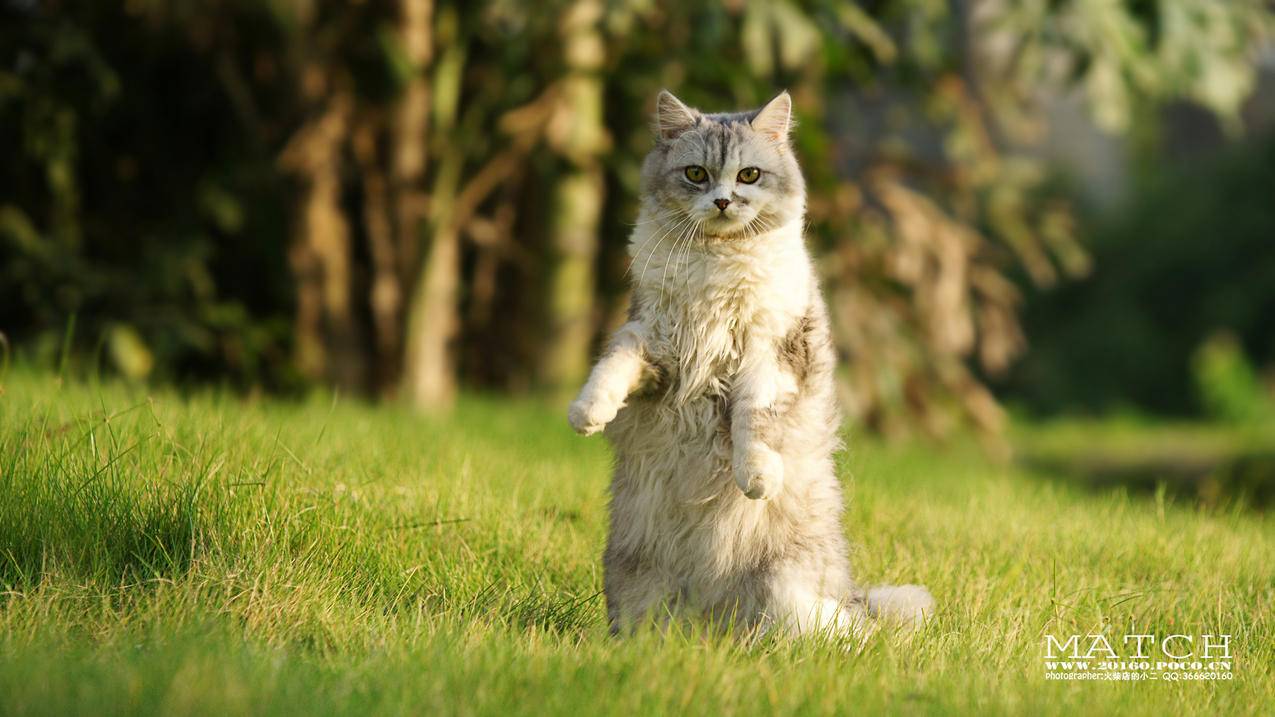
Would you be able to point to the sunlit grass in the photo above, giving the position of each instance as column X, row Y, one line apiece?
column 211, row 555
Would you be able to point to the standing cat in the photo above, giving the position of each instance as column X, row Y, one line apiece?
column 718, row 395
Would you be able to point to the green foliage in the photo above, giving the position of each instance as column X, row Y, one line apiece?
column 1190, row 255
column 1126, row 53
column 206, row 554
column 132, row 202
column 1228, row 386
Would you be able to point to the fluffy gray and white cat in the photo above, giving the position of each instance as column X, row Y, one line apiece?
column 718, row 396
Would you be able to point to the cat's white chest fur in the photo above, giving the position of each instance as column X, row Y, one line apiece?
column 717, row 297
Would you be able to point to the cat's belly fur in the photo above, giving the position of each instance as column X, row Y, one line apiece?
column 683, row 531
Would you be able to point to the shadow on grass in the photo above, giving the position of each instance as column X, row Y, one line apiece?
column 71, row 506
column 1210, row 478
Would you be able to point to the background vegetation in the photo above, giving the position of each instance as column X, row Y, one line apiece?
column 1180, row 304
column 391, row 198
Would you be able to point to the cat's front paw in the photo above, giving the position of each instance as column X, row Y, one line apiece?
column 588, row 416
column 759, row 472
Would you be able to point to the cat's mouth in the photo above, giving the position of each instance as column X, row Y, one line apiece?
column 727, row 226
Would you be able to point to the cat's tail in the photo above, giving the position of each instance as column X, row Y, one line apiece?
column 905, row 604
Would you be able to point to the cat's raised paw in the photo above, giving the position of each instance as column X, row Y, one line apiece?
column 760, row 473
column 588, row 417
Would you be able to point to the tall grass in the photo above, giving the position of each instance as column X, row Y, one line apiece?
column 208, row 554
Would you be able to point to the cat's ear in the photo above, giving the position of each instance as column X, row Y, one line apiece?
column 672, row 116
column 775, row 119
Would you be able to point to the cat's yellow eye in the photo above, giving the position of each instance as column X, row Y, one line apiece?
column 748, row 175
column 696, row 173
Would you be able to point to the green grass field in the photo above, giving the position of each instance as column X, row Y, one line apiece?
column 213, row 555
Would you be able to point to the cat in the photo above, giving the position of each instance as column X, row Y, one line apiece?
column 718, row 396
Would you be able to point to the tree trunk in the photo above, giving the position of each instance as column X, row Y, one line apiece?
column 395, row 260
column 328, row 335
column 386, row 292
column 410, row 131
column 576, row 204
column 569, row 325
column 429, row 373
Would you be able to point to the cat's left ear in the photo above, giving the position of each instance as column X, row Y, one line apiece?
column 673, row 116
column 775, row 119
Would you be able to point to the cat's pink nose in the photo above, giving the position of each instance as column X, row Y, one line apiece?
column 722, row 203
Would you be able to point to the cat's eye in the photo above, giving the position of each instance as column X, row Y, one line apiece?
column 748, row 175
column 696, row 173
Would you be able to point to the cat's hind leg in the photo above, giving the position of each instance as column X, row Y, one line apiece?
column 801, row 603
column 803, row 612
column 636, row 595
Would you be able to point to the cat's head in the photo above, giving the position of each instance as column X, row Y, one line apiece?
column 732, row 175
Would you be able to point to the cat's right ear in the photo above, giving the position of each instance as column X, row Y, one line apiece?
column 672, row 116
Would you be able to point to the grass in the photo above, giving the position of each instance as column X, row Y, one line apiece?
column 210, row 555
column 1211, row 463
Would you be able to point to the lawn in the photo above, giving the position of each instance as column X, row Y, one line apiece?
column 212, row 554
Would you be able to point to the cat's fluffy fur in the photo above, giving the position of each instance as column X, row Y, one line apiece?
column 718, row 396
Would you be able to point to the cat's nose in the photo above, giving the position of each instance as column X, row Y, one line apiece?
column 722, row 203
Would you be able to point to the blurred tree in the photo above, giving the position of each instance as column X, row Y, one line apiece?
column 454, row 179
column 122, row 191
column 576, row 132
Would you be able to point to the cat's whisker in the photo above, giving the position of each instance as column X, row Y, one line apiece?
column 638, row 254
column 664, row 235
column 685, row 243
column 667, row 230
column 764, row 225
column 685, row 236
column 679, row 233
column 686, row 252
